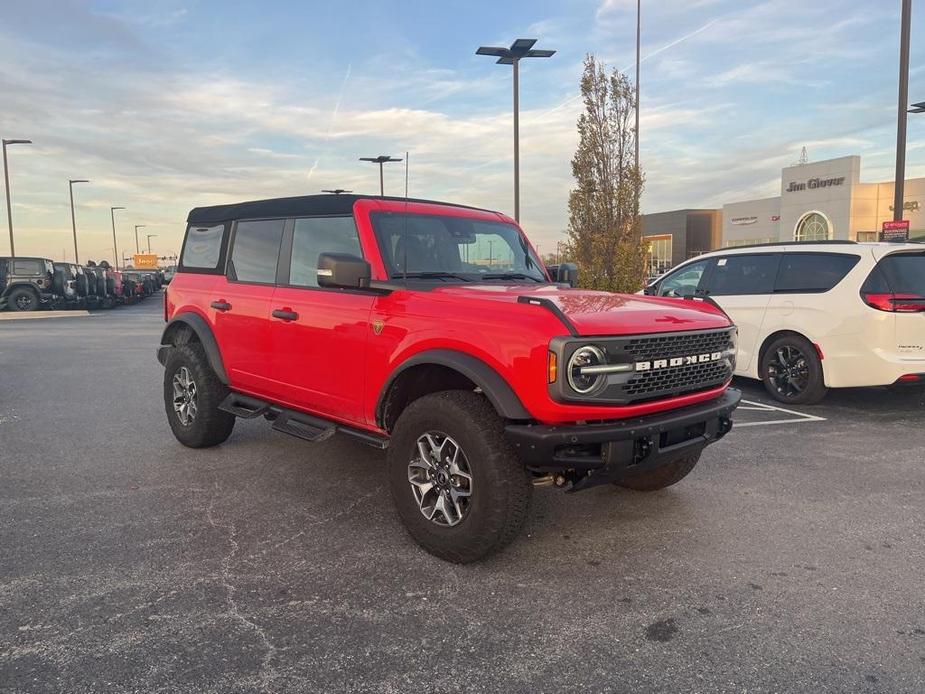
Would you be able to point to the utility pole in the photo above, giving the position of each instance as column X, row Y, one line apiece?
column 6, row 179
column 73, row 217
column 381, row 159
column 638, row 15
column 899, row 186
column 115, row 245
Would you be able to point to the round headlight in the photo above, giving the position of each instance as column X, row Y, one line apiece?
column 589, row 355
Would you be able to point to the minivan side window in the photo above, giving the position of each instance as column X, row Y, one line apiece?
column 202, row 249
column 312, row 236
column 743, row 274
column 813, row 273
column 255, row 251
column 683, row 281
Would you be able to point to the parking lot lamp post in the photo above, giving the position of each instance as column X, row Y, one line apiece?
column 899, row 185
column 6, row 179
column 137, row 227
column 73, row 217
column 521, row 48
column 150, row 236
column 115, row 245
column 381, row 159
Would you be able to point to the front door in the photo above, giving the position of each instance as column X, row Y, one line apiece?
column 319, row 335
column 241, row 303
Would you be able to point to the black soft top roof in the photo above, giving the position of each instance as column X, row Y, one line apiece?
column 307, row 205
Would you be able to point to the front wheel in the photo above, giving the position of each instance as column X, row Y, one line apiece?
column 22, row 299
column 458, row 486
column 192, row 395
column 792, row 371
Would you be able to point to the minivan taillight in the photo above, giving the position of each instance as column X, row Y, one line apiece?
column 895, row 303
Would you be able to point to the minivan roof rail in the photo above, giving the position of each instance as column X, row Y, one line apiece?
column 790, row 243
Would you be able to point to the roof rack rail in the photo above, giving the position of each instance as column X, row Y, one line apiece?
column 790, row 243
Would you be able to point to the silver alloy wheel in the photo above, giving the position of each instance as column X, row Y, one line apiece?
column 440, row 479
column 184, row 396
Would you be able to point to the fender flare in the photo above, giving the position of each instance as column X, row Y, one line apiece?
column 490, row 382
column 202, row 330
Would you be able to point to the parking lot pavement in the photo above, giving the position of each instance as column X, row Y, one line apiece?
column 790, row 560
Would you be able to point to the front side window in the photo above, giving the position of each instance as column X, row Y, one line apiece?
column 255, row 251
column 450, row 248
column 744, row 274
column 813, row 273
column 203, row 247
column 313, row 236
column 27, row 267
column 683, row 282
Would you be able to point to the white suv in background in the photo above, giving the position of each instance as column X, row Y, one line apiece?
column 813, row 316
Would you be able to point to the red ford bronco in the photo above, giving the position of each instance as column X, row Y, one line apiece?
column 434, row 331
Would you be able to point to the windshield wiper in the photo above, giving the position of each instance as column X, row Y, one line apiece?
column 510, row 276
column 430, row 275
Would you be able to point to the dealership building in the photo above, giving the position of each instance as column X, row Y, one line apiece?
column 824, row 200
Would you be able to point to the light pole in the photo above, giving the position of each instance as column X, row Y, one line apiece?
column 137, row 227
column 150, row 236
column 6, row 179
column 115, row 245
column 521, row 48
column 899, row 186
column 73, row 218
column 381, row 159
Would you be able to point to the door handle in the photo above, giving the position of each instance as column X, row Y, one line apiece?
column 285, row 314
column 221, row 305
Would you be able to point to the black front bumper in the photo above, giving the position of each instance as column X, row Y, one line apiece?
column 606, row 452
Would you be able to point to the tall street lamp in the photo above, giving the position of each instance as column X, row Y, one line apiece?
column 381, row 159
column 150, row 236
column 115, row 245
column 6, row 179
column 521, row 48
column 899, row 186
column 73, row 218
column 137, row 227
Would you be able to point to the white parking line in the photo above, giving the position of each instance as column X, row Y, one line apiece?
column 763, row 407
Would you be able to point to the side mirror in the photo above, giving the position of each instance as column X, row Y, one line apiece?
column 343, row 270
column 687, row 292
column 651, row 290
column 567, row 273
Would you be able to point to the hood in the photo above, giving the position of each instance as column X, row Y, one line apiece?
column 604, row 313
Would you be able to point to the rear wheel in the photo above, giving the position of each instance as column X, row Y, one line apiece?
column 661, row 477
column 458, row 486
column 22, row 299
column 792, row 371
column 192, row 394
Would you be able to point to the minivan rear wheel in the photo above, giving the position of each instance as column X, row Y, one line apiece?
column 792, row 371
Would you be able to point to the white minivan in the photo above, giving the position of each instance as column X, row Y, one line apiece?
column 813, row 316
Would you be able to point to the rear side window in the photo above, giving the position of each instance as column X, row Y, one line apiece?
column 900, row 273
column 203, row 247
column 743, row 274
column 255, row 251
column 813, row 273
column 27, row 267
column 316, row 235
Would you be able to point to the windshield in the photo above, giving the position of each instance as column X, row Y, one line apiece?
column 446, row 248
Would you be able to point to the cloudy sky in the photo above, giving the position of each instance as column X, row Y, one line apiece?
column 170, row 104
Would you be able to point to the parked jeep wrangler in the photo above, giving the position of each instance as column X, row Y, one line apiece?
column 26, row 284
column 434, row 331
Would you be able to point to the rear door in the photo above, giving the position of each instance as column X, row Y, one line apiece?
column 897, row 284
column 319, row 335
column 742, row 285
column 241, row 304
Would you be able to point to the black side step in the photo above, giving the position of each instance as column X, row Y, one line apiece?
column 243, row 406
column 304, row 426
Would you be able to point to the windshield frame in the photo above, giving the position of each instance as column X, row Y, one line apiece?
column 532, row 266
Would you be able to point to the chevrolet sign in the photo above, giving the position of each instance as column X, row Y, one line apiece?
column 678, row 361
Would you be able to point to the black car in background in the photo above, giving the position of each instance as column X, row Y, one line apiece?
column 26, row 284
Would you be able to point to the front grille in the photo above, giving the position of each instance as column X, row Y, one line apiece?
column 676, row 345
column 680, row 379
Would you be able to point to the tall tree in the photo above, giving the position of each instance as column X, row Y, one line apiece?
column 604, row 231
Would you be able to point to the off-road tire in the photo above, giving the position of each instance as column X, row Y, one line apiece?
column 501, row 488
column 661, row 477
column 815, row 389
column 19, row 296
column 210, row 426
